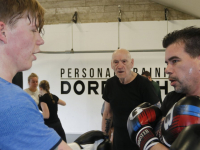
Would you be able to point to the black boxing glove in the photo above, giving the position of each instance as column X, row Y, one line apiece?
column 188, row 139
column 184, row 113
column 143, row 105
column 140, row 125
column 88, row 141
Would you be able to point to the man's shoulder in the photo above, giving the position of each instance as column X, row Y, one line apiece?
column 9, row 89
column 172, row 97
column 12, row 95
column 175, row 95
column 155, row 84
column 4, row 83
column 112, row 79
column 141, row 78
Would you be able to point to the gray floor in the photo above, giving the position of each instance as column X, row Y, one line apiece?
column 72, row 137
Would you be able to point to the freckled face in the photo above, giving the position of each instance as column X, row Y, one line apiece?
column 23, row 41
column 182, row 69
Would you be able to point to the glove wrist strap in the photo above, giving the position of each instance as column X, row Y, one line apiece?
column 146, row 138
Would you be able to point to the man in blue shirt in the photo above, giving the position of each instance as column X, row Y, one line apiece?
column 21, row 124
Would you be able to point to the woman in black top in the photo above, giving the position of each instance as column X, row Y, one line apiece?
column 49, row 106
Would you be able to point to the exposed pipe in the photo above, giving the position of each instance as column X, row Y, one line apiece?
column 97, row 51
column 72, row 38
column 166, row 17
column 120, row 14
column 118, row 35
column 166, row 13
column 74, row 18
column 119, row 20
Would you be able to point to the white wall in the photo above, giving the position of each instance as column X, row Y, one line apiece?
column 82, row 112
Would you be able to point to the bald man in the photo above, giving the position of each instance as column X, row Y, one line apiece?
column 122, row 94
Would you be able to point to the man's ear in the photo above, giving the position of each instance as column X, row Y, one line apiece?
column 3, row 32
column 112, row 65
column 198, row 62
column 132, row 62
column 149, row 78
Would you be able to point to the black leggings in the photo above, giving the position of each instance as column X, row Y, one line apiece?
column 59, row 129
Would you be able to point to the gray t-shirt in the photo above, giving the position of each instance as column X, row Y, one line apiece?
column 34, row 95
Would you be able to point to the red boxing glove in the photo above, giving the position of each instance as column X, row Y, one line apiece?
column 140, row 123
column 184, row 113
column 188, row 139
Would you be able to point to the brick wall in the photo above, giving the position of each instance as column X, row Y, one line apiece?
column 61, row 11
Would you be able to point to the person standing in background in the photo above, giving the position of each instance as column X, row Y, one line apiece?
column 155, row 84
column 33, row 84
column 48, row 103
column 21, row 124
column 110, row 134
column 122, row 93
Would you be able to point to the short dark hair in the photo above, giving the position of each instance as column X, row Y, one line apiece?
column 190, row 36
column 146, row 73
